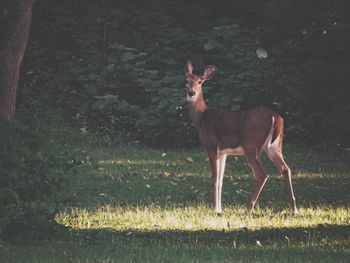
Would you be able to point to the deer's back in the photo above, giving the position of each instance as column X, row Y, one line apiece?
column 232, row 130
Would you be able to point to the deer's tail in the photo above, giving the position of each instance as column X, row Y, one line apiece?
column 277, row 126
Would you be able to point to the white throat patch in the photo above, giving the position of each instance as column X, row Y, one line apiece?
column 191, row 98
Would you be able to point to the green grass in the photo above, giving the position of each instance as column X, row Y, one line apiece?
column 134, row 204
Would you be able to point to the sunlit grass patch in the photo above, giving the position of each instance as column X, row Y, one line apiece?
column 198, row 217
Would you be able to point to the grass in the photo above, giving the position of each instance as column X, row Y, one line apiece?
column 134, row 204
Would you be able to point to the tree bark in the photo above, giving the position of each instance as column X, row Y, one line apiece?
column 13, row 40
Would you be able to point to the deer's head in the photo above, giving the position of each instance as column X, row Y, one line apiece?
column 194, row 82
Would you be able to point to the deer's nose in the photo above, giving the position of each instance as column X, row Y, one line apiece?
column 191, row 93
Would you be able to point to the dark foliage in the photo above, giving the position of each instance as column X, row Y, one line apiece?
column 31, row 175
column 116, row 67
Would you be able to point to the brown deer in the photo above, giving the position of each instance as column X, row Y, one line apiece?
column 246, row 133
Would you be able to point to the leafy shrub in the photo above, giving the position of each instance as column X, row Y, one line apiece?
column 31, row 175
column 124, row 77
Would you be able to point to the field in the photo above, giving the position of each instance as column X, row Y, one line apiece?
column 135, row 204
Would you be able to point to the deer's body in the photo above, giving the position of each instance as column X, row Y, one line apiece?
column 246, row 133
column 232, row 132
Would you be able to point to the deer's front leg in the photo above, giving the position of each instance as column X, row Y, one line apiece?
column 217, row 164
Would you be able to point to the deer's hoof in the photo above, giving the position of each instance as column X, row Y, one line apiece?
column 295, row 211
column 250, row 207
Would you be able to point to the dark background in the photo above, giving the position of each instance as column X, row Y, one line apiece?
column 116, row 67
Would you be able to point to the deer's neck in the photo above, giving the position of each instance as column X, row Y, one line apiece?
column 196, row 109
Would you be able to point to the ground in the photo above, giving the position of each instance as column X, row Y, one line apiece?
column 134, row 204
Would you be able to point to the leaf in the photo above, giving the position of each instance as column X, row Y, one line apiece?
column 227, row 27
column 189, row 159
column 113, row 58
column 127, row 56
column 237, row 99
column 125, row 67
column 103, row 103
column 169, row 61
column 235, row 107
column 151, row 73
column 209, row 45
column 261, row 53
column 117, row 46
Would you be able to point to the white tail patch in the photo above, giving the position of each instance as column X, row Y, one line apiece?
column 271, row 147
column 268, row 142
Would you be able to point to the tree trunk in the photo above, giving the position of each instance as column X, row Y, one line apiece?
column 13, row 41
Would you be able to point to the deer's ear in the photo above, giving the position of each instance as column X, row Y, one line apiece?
column 189, row 67
column 208, row 72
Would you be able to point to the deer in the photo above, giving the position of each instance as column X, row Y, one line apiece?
column 244, row 132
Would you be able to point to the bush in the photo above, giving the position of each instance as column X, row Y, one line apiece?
column 31, row 175
column 121, row 77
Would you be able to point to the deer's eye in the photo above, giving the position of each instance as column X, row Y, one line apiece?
column 186, row 81
column 200, row 81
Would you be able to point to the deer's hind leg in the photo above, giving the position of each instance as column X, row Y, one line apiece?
column 274, row 153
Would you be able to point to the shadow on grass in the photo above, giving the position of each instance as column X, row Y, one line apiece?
column 320, row 244
column 306, row 237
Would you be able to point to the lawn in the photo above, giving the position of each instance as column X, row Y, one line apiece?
column 135, row 204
